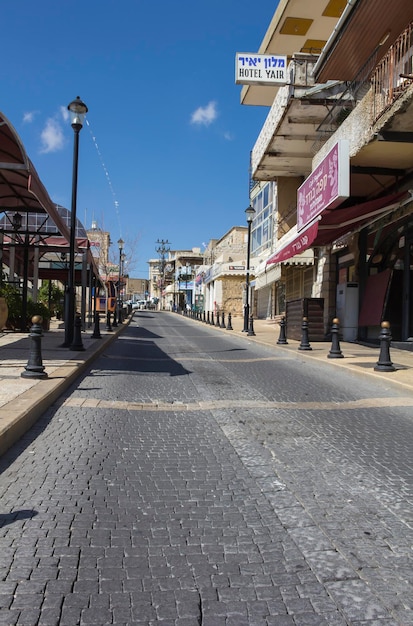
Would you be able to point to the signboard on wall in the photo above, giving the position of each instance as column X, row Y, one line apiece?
column 326, row 187
column 260, row 69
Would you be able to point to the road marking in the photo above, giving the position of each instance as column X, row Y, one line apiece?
column 161, row 405
column 178, row 358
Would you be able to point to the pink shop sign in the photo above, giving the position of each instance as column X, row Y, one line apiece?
column 326, row 187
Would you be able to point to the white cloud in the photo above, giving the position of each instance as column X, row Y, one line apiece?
column 204, row 116
column 28, row 117
column 64, row 113
column 52, row 137
column 228, row 136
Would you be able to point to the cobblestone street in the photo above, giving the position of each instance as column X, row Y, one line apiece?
column 192, row 478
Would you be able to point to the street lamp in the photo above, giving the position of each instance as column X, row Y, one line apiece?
column 120, row 246
column 250, row 212
column 77, row 110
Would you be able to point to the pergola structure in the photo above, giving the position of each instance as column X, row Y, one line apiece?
column 34, row 231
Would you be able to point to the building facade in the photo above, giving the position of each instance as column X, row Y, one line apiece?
column 338, row 146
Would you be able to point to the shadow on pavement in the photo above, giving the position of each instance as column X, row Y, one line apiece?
column 16, row 516
column 137, row 353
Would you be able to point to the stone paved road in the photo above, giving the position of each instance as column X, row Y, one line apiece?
column 193, row 478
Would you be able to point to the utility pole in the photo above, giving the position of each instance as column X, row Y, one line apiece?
column 162, row 250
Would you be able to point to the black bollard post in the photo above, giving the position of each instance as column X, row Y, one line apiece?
column 204, row 316
column 217, row 323
column 77, row 343
column 108, row 324
column 305, row 344
column 212, row 319
column 251, row 332
column 384, row 364
column 35, row 367
column 222, row 325
column 115, row 319
column 208, row 318
column 229, row 324
column 96, row 330
column 282, row 339
column 335, row 350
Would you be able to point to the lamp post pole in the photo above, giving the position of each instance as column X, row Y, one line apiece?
column 78, row 110
column 250, row 212
column 120, row 246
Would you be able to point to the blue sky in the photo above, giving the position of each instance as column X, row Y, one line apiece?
column 165, row 150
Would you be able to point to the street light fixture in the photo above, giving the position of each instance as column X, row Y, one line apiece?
column 77, row 110
column 250, row 212
column 120, row 246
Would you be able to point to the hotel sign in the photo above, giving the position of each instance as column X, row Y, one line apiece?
column 326, row 187
column 260, row 69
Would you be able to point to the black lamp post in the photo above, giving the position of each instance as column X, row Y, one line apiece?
column 120, row 246
column 250, row 212
column 77, row 110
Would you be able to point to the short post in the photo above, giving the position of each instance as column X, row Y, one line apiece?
column 77, row 343
column 229, row 324
column 251, row 332
column 35, row 367
column 384, row 364
column 335, row 350
column 108, row 324
column 217, row 323
column 96, row 330
column 208, row 318
column 305, row 344
column 222, row 325
column 204, row 316
column 282, row 339
column 212, row 319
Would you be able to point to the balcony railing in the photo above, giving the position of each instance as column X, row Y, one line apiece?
column 394, row 75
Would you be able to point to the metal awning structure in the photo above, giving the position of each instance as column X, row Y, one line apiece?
column 45, row 224
column 366, row 30
column 20, row 186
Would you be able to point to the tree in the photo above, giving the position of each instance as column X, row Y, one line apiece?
column 51, row 296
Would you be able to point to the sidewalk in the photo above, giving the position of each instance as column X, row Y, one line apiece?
column 24, row 400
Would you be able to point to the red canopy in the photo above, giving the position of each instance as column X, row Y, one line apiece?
column 335, row 224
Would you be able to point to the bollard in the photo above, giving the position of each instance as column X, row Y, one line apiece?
column 384, row 363
column 250, row 332
column 35, row 367
column 115, row 318
column 212, row 319
column 335, row 350
column 229, row 324
column 222, row 320
column 217, row 322
column 204, row 316
column 305, row 344
column 77, row 343
column 108, row 324
column 96, row 330
column 208, row 318
column 282, row 339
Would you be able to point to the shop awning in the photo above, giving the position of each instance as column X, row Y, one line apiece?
column 301, row 242
column 340, row 221
column 336, row 223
